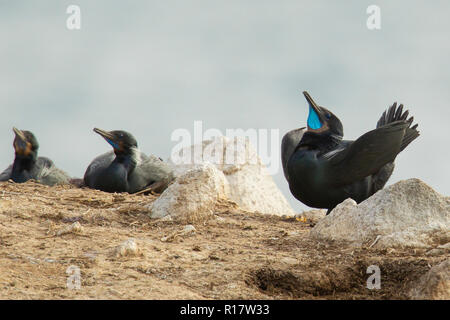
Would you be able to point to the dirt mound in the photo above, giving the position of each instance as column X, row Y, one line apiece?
column 47, row 231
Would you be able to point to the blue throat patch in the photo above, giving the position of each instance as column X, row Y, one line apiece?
column 114, row 145
column 313, row 119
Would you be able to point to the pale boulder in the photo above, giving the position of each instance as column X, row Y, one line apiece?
column 407, row 214
column 192, row 196
column 251, row 186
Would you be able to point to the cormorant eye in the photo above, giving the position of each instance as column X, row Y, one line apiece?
column 328, row 116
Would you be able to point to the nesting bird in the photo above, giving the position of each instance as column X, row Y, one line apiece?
column 323, row 170
column 126, row 168
column 27, row 165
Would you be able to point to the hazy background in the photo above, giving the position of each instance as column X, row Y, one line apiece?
column 150, row 67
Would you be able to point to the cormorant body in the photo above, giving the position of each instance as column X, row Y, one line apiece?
column 27, row 165
column 323, row 170
column 126, row 169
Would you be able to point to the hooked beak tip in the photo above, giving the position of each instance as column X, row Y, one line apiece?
column 311, row 102
column 19, row 134
column 101, row 132
column 108, row 137
column 309, row 99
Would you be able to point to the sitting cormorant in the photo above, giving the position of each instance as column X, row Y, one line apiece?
column 126, row 169
column 27, row 165
column 323, row 170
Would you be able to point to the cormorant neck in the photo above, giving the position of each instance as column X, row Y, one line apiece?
column 22, row 167
column 128, row 158
column 22, row 162
column 323, row 141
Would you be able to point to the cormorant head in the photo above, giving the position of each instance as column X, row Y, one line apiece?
column 121, row 141
column 321, row 120
column 25, row 143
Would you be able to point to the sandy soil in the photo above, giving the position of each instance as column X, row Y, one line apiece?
column 234, row 255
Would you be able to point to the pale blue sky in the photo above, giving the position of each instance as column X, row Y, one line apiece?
column 150, row 67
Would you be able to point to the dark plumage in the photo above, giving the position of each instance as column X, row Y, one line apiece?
column 27, row 165
column 126, row 169
column 323, row 170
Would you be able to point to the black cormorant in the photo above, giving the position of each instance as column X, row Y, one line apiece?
column 27, row 165
column 323, row 170
column 126, row 169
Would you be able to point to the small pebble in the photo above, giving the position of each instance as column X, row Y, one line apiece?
column 127, row 248
column 73, row 228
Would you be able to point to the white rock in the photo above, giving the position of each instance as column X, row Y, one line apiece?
column 72, row 228
column 251, row 186
column 435, row 284
column 127, row 248
column 407, row 214
column 192, row 196
column 188, row 229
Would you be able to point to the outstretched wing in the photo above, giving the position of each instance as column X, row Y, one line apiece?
column 396, row 114
column 367, row 154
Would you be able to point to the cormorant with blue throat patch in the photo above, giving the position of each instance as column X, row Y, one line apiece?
column 27, row 165
column 126, row 169
column 323, row 170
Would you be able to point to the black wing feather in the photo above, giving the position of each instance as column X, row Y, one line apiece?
column 367, row 154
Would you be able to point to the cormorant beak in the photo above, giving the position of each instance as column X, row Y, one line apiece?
column 19, row 134
column 109, row 137
column 22, row 143
column 316, row 119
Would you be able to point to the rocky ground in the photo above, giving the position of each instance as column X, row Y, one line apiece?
column 230, row 255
